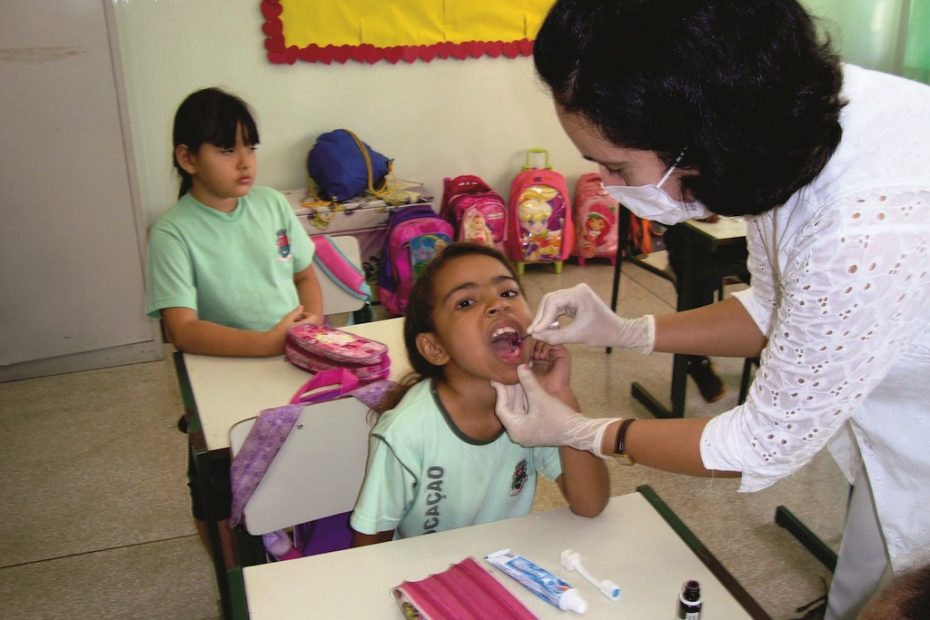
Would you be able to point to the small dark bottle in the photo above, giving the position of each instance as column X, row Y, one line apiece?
column 689, row 601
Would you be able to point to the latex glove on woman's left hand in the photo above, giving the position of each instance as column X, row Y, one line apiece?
column 533, row 417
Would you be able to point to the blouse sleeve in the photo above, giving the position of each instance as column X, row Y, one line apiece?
column 852, row 291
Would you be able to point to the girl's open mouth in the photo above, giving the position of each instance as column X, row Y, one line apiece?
column 506, row 344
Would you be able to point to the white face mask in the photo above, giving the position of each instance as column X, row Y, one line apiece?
column 650, row 202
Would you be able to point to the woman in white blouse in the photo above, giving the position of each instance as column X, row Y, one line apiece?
column 692, row 107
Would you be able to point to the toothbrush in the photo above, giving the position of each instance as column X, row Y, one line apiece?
column 571, row 560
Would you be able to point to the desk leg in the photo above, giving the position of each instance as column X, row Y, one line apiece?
column 703, row 553
column 806, row 537
column 203, row 465
column 201, row 458
column 687, row 296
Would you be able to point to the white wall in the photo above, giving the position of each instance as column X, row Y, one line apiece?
column 437, row 119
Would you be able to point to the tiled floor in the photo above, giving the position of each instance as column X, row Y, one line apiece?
column 95, row 521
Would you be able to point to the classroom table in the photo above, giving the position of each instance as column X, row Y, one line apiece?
column 630, row 543
column 715, row 249
column 218, row 392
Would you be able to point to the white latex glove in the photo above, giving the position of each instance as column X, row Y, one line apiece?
column 533, row 417
column 593, row 322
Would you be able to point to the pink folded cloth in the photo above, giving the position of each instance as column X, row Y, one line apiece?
column 464, row 592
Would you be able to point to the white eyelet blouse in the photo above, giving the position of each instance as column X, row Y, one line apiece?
column 841, row 288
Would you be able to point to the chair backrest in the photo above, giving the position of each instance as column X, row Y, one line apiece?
column 335, row 299
column 317, row 472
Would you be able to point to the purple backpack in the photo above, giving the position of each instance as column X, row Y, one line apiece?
column 414, row 236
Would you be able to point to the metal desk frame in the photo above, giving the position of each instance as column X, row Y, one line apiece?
column 706, row 256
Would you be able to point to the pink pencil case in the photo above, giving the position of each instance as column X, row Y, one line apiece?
column 316, row 348
column 463, row 592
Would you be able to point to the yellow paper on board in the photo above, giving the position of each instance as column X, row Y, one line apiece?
column 394, row 23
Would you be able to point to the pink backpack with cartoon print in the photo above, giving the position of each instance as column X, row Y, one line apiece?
column 595, row 220
column 414, row 236
column 540, row 221
column 476, row 211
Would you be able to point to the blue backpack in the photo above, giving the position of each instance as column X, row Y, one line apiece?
column 343, row 166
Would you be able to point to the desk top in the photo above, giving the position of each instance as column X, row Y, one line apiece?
column 725, row 227
column 227, row 390
column 629, row 543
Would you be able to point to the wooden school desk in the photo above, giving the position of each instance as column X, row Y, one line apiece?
column 630, row 543
column 218, row 392
column 711, row 250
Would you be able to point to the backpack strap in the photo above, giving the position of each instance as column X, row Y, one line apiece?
column 380, row 191
column 261, row 445
column 338, row 268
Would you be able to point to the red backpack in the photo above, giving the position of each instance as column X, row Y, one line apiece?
column 595, row 220
column 476, row 212
column 540, row 216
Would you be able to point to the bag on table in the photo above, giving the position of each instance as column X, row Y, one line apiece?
column 541, row 228
column 343, row 166
column 477, row 213
column 414, row 236
column 595, row 220
column 316, row 348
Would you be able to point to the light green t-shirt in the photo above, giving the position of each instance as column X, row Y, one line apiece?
column 425, row 476
column 236, row 268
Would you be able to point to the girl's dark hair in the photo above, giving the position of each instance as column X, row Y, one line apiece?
column 419, row 316
column 915, row 595
column 210, row 116
column 747, row 87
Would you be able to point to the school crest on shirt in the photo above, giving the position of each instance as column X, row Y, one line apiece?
column 284, row 246
column 519, row 478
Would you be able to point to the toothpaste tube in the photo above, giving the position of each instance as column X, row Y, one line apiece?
column 539, row 581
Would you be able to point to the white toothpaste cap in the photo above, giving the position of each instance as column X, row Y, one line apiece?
column 572, row 601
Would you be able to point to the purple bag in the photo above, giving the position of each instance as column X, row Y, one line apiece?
column 264, row 440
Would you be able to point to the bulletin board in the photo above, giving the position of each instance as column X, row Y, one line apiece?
column 370, row 31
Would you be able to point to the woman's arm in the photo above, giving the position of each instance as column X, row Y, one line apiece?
column 669, row 445
column 723, row 329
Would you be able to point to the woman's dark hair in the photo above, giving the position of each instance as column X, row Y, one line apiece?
column 210, row 116
column 421, row 304
column 747, row 87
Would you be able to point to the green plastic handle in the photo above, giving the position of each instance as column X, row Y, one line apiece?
column 536, row 151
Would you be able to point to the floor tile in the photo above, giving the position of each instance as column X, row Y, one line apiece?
column 158, row 580
column 91, row 460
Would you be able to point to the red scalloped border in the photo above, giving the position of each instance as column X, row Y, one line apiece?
column 279, row 53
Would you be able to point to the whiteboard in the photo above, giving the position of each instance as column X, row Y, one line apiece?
column 71, row 267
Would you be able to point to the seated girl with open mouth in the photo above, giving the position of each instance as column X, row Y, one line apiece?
column 440, row 459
